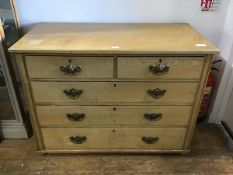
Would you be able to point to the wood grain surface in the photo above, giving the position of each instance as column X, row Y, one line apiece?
column 49, row 66
column 113, row 138
column 114, row 61
column 179, row 67
column 113, row 92
column 113, row 115
column 113, row 38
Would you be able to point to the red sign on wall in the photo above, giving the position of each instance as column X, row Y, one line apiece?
column 206, row 5
column 210, row 5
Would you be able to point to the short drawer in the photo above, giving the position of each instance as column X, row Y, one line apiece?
column 95, row 92
column 160, row 67
column 146, row 116
column 113, row 138
column 69, row 67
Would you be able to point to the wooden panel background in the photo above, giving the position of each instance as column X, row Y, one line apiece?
column 113, row 138
column 179, row 67
column 113, row 115
column 49, row 66
column 135, row 92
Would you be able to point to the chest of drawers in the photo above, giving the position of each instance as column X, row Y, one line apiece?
column 113, row 87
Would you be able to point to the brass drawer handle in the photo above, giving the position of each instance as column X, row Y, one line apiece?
column 73, row 93
column 153, row 116
column 75, row 117
column 159, row 69
column 70, row 69
column 150, row 140
column 78, row 139
column 156, row 93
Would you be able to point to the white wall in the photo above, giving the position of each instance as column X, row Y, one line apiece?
column 228, row 117
column 118, row 11
column 226, row 85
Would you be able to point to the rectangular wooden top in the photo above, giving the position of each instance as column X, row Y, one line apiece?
column 113, row 39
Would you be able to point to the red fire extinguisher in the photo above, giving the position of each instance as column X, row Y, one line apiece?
column 207, row 93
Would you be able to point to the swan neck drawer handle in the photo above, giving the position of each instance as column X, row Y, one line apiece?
column 153, row 116
column 156, row 93
column 159, row 69
column 70, row 69
column 75, row 117
column 73, row 93
column 150, row 140
column 78, row 139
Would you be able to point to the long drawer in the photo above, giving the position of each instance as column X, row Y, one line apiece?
column 160, row 67
column 69, row 67
column 113, row 138
column 147, row 92
column 82, row 116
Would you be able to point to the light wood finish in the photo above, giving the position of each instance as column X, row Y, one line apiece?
column 115, row 83
column 49, row 67
column 101, row 38
column 199, row 96
column 113, row 115
column 179, row 67
column 29, row 101
column 107, row 92
column 112, row 104
column 113, row 138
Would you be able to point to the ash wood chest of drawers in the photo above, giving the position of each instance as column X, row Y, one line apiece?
column 113, row 87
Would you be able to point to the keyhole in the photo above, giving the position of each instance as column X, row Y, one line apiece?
column 160, row 60
column 69, row 60
column 114, row 85
column 113, row 130
column 114, row 109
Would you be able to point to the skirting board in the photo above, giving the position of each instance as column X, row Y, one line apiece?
column 228, row 129
column 15, row 132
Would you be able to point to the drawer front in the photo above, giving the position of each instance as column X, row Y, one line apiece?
column 160, row 67
column 113, row 138
column 76, row 116
column 59, row 67
column 148, row 92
